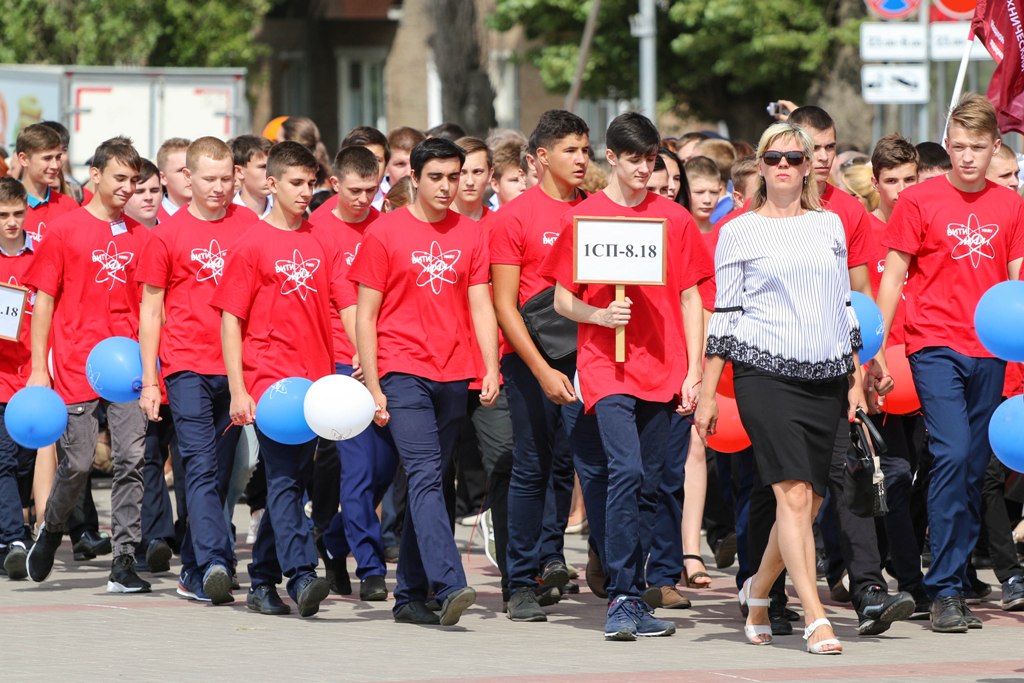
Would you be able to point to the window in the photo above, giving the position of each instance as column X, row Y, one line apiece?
column 360, row 89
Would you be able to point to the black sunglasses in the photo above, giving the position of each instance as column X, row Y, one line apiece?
column 792, row 158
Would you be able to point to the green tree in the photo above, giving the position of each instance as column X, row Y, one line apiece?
column 131, row 32
column 719, row 59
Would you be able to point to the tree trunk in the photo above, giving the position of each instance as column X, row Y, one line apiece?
column 467, row 97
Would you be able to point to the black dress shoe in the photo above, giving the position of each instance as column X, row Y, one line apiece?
column 970, row 618
column 455, row 604
column 158, row 556
column 265, row 600
column 90, row 545
column 781, row 625
column 335, row 570
column 373, row 589
column 946, row 615
column 309, row 593
column 877, row 610
column 555, row 574
column 416, row 612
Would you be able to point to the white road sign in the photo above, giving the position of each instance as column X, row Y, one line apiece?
column 947, row 42
column 890, row 41
column 894, row 83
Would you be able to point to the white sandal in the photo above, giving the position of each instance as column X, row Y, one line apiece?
column 754, row 632
column 817, row 648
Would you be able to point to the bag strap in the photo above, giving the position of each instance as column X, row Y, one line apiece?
column 876, row 437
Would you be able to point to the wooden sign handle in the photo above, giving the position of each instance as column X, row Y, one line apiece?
column 620, row 331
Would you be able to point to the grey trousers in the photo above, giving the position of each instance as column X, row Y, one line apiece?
column 76, row 451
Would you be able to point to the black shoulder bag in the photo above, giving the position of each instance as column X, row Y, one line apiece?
column 864, row 482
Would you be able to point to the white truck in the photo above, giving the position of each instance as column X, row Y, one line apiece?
column 148, row 105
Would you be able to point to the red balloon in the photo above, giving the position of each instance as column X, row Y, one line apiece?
column 725, row 387
column 903, row 398
column 729, row 436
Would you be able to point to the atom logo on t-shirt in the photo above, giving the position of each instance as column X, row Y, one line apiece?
column 298, row 272
column 37, row 234
column 212, row 262
column 112, row 264
column 438, row 267
column 350, row 256
column 975, row 240
column 549, row 238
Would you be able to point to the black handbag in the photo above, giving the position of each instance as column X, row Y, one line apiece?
column 554, row 334
column 864, row 482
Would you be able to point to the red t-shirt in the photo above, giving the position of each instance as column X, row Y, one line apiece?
column 656, row 360
column 88, row 265
column 961, row 243
column 425, row 271
column 1013, row 384
column 707, row 288
column 876, row 267
column 38, row 219
column 346, row 237
column 855, row 224
column 281, row 284
column 185, row 257
column 16, row 356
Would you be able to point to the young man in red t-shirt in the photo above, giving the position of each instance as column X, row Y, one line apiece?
column 84, row 276
column 145, row 203
column 170, row 159
column 180, row 269
column 952, row 238
column 634, row 400
column 276, row 297
column 40, row 154
column 367, row 462
column 16, row 254
column 544, row 406
column 423, row 290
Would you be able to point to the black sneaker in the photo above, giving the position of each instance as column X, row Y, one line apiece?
column 15, row 562
column 40, row 557
column 158, row 556
column 725, row 551
column 1013, row 594
column 373, row 589
column 123, row 578
column 970, row 618
column 416, row 612
column 335, row 570
column 265, row 600
column 977, row 591
column 455, row 604
column 922, row 606
column 877, row 610
column 523, row 606
column 555, row 574
column 217, row 584
column 309, row 593
column 90, row 545
column 779, row 620
column 946, row 615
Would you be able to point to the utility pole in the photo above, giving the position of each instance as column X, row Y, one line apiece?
column 644, row 26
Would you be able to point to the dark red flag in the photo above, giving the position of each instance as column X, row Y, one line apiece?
column 998, row 24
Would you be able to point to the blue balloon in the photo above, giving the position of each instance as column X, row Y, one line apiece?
column 36, row 417
column 280, row 413
column 114, row 369
column 871, row 325
column 999, row 320
column 1006, row 433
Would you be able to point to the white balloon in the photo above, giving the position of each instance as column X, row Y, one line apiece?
column 338, row 407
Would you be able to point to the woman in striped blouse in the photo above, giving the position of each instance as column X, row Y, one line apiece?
column 783, row 317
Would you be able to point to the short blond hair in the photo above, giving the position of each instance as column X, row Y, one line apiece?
column 169, row 147
column 208, row 147
column 975, row 114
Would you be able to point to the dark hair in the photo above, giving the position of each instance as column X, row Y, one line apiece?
column 367, row 135
column 116, row 149
column 659, row 164
column 147, row 169
column 683, row 191
column 304, row 130
column 632, row 133
column 356, row 159
column 62, row 131
column 810, row 116
column 933, row 155
column 554, row 125
column 892, row 151
column 289, row 154
column 434, row 148
column 245, row 147
column 448, row 131
column 12, row 190
column 318, row 198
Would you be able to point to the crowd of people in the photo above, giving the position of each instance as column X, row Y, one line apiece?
column 439, row 270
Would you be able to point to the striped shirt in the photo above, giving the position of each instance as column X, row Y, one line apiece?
column 783, row 302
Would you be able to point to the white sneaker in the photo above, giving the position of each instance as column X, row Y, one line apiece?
column 254, row 526
column 487, row 531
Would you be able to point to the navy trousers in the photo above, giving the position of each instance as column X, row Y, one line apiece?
column 157, row 513
column 12, row 524
column 665, row 553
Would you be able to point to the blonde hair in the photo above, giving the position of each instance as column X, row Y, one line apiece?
column 857, row 179
column 809, row 199
column 975, row 114
column 209, row 147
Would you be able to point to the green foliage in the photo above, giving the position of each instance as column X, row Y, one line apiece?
column 711, row 52
column 131, row 32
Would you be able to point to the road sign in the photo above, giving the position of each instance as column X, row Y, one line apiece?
column 894, row 83
column 947, row 42
column 882, row 41
column 892, row 9
column 959, row 10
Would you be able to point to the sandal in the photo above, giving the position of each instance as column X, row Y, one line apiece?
column 755, row 633
column 817, row 648
column 690, row 579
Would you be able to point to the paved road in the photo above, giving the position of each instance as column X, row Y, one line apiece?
column 69, row 629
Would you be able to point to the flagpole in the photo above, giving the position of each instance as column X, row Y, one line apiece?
column 958, row 86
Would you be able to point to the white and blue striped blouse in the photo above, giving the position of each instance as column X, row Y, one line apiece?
column 783, row 303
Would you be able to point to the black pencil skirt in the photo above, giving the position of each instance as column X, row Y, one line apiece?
column 791, row 423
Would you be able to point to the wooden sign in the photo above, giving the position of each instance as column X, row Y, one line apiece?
column 620, row 252
column 13, row 300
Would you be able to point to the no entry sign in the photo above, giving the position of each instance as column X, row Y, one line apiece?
column 892, row 9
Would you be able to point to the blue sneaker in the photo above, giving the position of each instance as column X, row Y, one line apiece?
column 647, row 625
column 191, row 586
column 621, row 621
